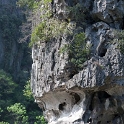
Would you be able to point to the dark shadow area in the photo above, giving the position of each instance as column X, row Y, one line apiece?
column 61, row 106
column 102, row 52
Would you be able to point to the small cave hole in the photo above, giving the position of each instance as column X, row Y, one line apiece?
column 102, row 52
column 101, row 95
column 62, row 106
column 71, row 76
column 108, row 122
column 73, row 73
column 77, row 98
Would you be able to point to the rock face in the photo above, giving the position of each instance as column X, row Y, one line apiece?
column 95, row 93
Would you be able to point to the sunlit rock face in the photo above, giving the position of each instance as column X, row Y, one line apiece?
column 95, row 93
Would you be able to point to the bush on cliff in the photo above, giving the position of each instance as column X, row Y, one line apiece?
column 77, row 49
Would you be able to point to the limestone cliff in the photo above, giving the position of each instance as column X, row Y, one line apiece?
column 94, row 92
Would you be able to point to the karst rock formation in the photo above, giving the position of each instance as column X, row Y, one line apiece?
column 94, row 92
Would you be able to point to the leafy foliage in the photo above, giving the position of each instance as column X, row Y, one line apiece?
column 7, row 87
column 4, row 122
column 31, row 4
column 18, row 114
column 77, row 13
column 120, row 40
column 46, row 31
column 40, row 119
column 27, row 91
column 49, row 27
column 77, row 50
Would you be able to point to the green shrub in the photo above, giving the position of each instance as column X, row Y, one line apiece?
column 31, row 4
column 7, row 85
column 7, row 89
column 76, row 13
column 48, row 30
column 18, row 113
column 120, row 39
column 40, row 120
column 50, row 27
column 77, row 50
column 27, row 91
column 4, row 122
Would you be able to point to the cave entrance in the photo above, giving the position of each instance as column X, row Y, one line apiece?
column 62, row 106
column 102, row 52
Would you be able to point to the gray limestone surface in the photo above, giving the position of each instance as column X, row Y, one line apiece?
column 95, row 93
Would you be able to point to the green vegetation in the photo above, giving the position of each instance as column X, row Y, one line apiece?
column 17, row 113
column 77, row 50
column 31, row 4
column 4, row 122
column 27, row 91
column 49, row 27
column 46, row 31
column 40, row 120
column 120, row 39
column 7, row 87
column 76, row 13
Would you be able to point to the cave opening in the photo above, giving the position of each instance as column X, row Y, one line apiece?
column 101, row 95
column 71, row 69
column 62, row 106
column 77, row 98
column 73, row 73
column 102, row 52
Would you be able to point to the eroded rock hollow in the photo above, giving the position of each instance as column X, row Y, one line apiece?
column 88, row 91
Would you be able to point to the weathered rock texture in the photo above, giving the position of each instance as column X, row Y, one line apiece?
column 95, row 94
